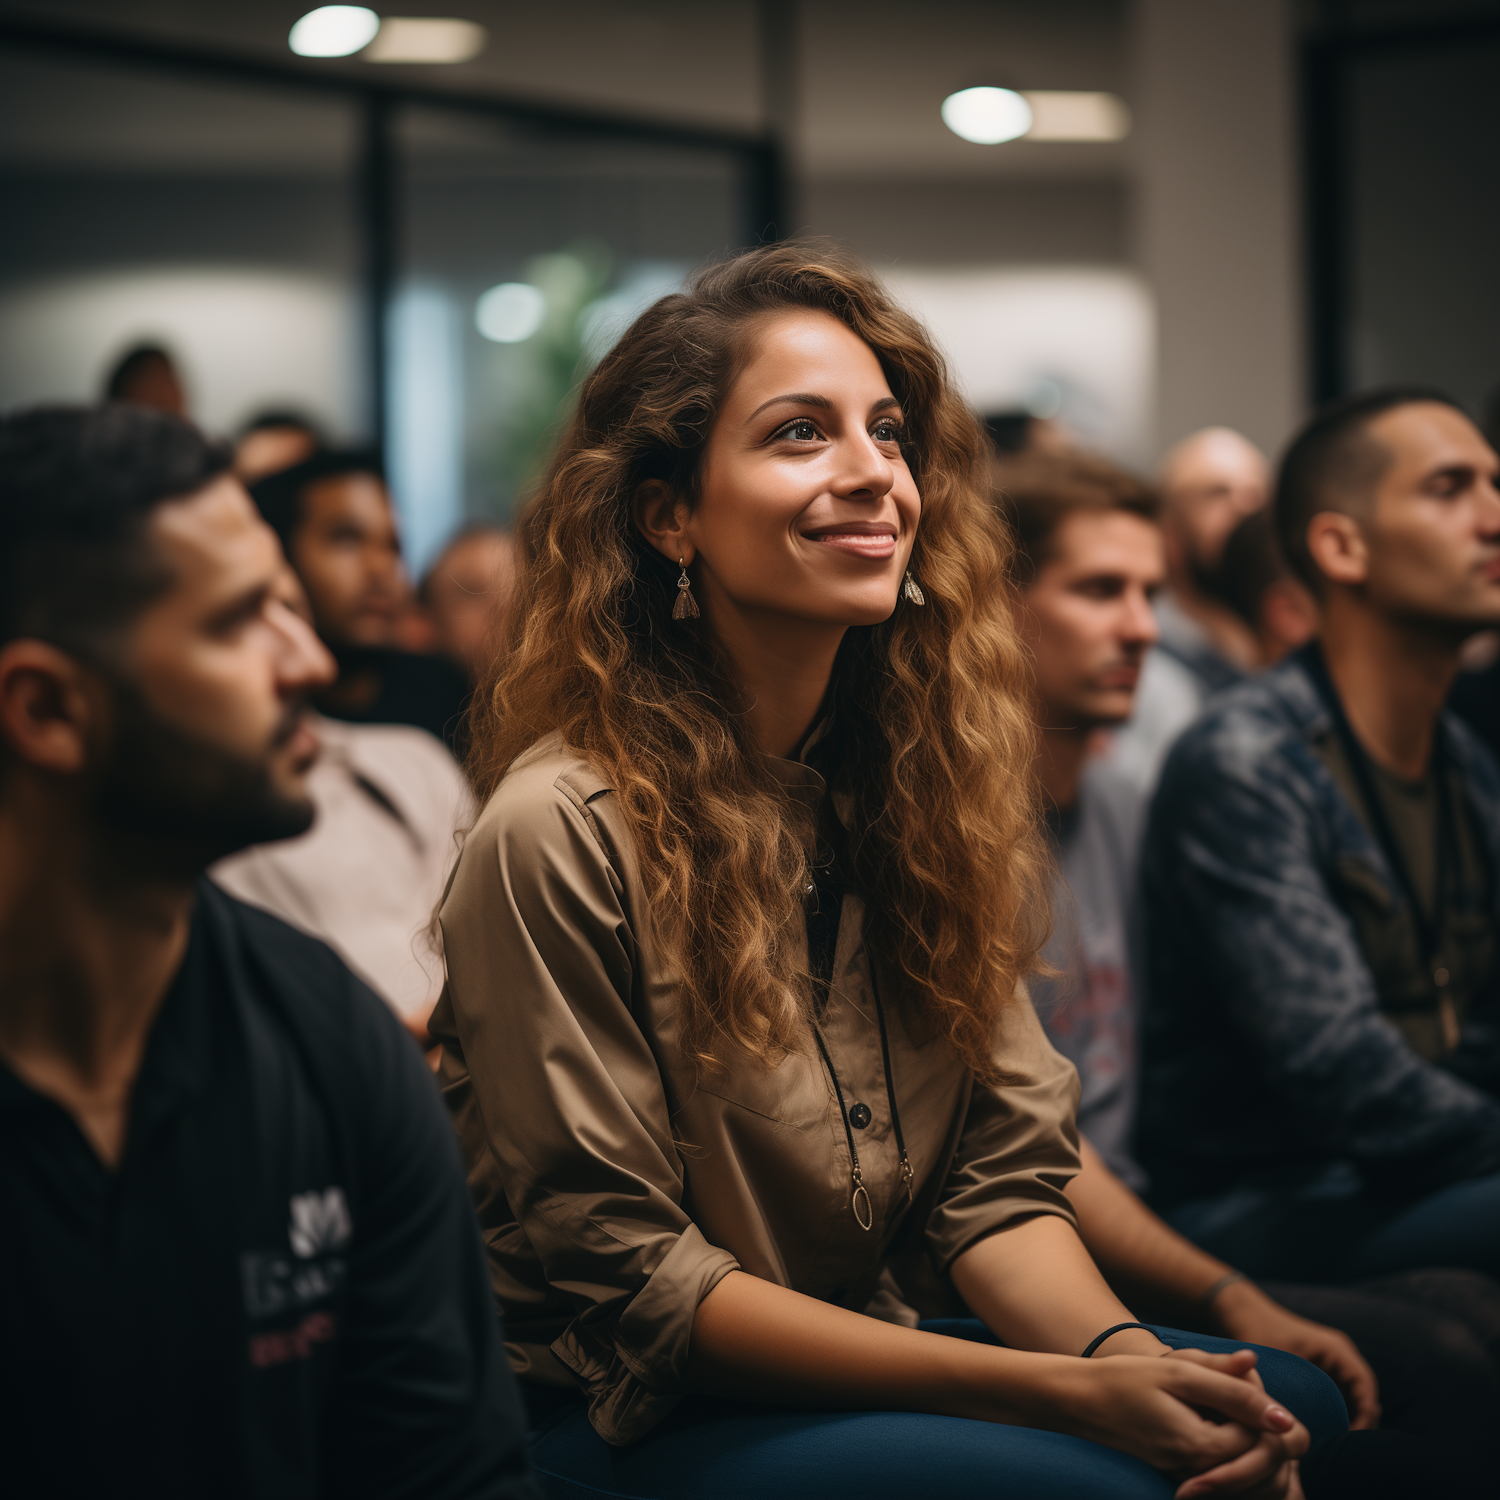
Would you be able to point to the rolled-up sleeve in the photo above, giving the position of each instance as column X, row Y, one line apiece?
column 542, row 966
column 1018, row 1148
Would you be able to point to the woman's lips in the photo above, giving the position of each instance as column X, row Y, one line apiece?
column 876, row 546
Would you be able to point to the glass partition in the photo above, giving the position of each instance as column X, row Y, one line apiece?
column 295, row 240
column 523, row 253
column 216, row 218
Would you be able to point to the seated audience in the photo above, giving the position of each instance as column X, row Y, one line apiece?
column 146, row 375
column 237, row 1257
column 366, row 877
column 1089, row 563
column 273, row 441
column 734, row 1032
column 335, row 520
column 1256, row 583
column 1208, row 483
column 1322, row 1044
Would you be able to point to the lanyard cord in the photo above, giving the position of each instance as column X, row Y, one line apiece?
column 821, row 953
column 1429, row 930
column 859, row 1194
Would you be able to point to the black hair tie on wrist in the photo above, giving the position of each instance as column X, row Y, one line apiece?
column 1110, row 1333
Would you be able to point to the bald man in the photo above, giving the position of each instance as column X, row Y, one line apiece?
column 1208, row 483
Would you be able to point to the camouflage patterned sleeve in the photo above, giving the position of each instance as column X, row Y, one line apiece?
column 1264, row 1042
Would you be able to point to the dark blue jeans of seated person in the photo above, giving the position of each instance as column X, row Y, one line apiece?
column 721, row 1450
column 1337, row 1228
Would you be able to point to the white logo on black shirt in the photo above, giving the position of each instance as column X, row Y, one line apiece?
column 320, row 1222
column 275, row 1283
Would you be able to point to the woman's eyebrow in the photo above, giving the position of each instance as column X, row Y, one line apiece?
column 796, row 399
column 802, row 398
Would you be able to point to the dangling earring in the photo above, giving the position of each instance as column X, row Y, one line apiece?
column 686, row 607
column 910, row 589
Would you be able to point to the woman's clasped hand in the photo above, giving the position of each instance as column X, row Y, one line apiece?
column 1205, row 1418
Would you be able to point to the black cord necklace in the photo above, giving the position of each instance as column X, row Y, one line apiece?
column 1429, row 927
column 822, row 940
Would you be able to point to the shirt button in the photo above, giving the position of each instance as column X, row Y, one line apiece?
column 859, row 1115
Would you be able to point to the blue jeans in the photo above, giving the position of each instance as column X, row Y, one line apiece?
column 1337, row 1229
column 720, row 1450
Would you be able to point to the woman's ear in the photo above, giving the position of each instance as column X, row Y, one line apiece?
column 661, row 517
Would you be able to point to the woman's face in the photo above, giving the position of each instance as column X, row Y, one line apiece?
column 807, row 509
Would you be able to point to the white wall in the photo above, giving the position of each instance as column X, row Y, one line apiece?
column 245, row 339
column 1217, row 212
column 1079, row 344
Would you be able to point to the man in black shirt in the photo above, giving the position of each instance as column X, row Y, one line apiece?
column 236, row 1252
column 334, row 517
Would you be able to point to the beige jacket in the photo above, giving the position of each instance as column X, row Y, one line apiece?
column 614, row 1192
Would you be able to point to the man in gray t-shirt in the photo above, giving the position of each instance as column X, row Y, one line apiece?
column 1089, row 1008
column 1089, row 563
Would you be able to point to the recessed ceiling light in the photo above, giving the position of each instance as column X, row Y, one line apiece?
column 510, row 313
column 426, row 39
column 987, row 116
column 333, row 31
column 1061, row 115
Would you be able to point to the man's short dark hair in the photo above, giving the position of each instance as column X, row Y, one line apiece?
column 77, row 488
column 130, row 366
column 280, row 495
column 1334, row 464
column 1038, row 492
column 1251, row 563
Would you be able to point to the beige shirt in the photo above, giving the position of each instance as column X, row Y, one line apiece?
column 368, row 875
column 614, row 1191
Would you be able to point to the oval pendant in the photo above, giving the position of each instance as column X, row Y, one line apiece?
column 860, row 1196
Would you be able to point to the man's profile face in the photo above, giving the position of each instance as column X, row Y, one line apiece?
column 1088, row 619
column 1433, row 533
column 348, row 555
column 469, row 583
column 1211, row 483
column 209, row 748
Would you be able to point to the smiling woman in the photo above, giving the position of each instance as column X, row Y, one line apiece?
column 734, row 1033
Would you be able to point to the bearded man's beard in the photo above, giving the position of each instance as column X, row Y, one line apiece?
column 187, row 802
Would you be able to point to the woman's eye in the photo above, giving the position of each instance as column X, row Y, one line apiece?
column 887, row 432
column 800, row 432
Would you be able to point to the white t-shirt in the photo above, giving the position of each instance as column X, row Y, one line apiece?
column 368, row 875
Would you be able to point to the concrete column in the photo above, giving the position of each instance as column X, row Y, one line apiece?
column 1218, row 226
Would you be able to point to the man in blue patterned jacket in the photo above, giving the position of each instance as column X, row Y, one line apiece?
column 1322, row 1043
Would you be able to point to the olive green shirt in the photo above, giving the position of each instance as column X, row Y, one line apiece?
column 1427, row 1001
column 615, row 1189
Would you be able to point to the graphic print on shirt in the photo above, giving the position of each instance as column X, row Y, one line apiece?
column 276, row 1284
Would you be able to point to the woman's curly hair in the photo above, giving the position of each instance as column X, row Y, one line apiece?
column 935, row 739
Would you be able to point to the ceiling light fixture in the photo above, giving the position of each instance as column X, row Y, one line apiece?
column 510, row 313
column 426, row 39
column 987, row 116
column 1064, row 115
column 333, row 31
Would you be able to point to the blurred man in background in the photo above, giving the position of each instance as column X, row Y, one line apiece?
column 368, row 875
column 1256, row 582
column 1208, row 483
column 1090, row 563
column 238, row 1254
column 146, row 375
column 463, row 594
column 273, row 441
column 334, row 516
